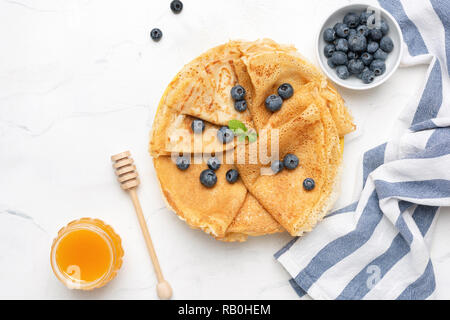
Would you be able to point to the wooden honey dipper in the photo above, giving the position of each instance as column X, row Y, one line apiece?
column 129, row 180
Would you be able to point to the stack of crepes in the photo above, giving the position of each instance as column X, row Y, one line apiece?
column 311, row 125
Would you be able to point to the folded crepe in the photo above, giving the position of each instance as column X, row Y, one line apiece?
column 310, row 125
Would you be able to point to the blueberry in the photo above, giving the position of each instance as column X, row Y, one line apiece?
column 176, row 6
column 329, row 35
column 342, row 72
column 380, row 55
column 238, row 93
column 339, row 58
column 386, row 44
column 366, row 58
column 273, row 102
column 376, row 34
column 225, row 135
column 330, row 63
column 359, row 76
column 285, row 91
column 240, row 105
column 367, row 76
column 308, row 184
column 277, row 166
column 351, row 32
column 213, row 163
column 342, row 45
column 357, row 43
column 378, row 67
column 156, row 34
column 208, row 178
column 363, row 30
column 328, row 50
column 341, row 30
column 351, row 19
column 198, row 126
column 290, row 161
column 183, row 163
column 364, row 16
column 384, row 27
column 355, row 66
column 352, row 55
column 232, row 175
column 372, row 47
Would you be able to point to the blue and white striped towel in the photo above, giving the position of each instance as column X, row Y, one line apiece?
column 379, row 246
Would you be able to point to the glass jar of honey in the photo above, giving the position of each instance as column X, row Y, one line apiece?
column 86, row 254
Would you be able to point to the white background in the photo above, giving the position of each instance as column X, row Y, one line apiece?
column 80, row 81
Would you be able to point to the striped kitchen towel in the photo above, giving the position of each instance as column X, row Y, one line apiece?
column 379, row 246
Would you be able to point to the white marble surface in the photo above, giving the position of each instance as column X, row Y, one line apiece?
column 80, row 80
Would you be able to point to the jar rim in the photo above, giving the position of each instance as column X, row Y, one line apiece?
column 69, row 281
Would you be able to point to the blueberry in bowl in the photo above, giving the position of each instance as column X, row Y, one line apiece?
column 359, row 47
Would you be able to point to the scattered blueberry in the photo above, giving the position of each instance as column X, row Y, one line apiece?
column 352, row 55
column 363, row 30
column 328, row 50
column 366, row 58
column 232, row 175
column 342, row 45
column 342, row 30
column 285, row 91
column 386, row 44
column 274, row 102
column 238, row 93
column 308, row 184
column 357, row 43
column 380, row 55
column 384, row 27
column 351, row 19
column 156, row 34
column 339, row 58
column 198, row 126
column 329, row 35
column 240, row 105
column 213, row 163
column 176, row 6
column 183, row 163
column 367, row 76
column 225, row 135
column 208, row 178
column 372, row 47
column 378, row 67
column 290, row 161
column 355, row 66
column 277, row 166
column 376, row 34
column 342, row 72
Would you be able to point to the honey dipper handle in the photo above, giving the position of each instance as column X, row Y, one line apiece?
column 148, row 239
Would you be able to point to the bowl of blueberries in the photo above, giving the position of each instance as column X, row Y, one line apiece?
column 359, row 46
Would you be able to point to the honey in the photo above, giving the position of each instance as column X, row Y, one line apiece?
column 86, row 254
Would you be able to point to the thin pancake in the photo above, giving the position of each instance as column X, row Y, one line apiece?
column 309, row 125
column 211, row 210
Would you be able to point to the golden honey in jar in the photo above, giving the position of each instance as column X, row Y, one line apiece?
column 86, row 254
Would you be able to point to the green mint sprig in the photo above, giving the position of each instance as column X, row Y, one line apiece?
column 240, row 130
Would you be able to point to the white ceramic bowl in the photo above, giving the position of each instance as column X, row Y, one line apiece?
column 392, row 61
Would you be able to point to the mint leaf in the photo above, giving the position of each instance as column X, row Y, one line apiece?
column 236, row 124
column 239, row 132
column 252, row 136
